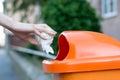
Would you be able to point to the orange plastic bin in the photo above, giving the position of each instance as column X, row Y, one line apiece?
column 85, row 55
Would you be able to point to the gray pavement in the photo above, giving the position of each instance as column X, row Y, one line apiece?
column 6, row 69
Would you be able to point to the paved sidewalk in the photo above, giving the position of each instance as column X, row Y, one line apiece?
column 6, row 70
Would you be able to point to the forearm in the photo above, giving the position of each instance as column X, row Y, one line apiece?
column 18, row 27
column 6, row 21
column 12, row 25
column 25, row 27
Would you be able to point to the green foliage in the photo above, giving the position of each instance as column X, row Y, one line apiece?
column 24, row 4
column 64, row 15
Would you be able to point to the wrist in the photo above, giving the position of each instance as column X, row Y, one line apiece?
column 15, row 26
column 25, row 27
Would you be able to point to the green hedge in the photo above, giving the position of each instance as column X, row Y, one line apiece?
column 64, row 15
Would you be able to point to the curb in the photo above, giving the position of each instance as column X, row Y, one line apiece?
column 27, row 70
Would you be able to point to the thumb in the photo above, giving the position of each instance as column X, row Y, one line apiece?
column 32, row 40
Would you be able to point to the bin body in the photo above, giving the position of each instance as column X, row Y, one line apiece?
column 85, row 55
column 93, row 75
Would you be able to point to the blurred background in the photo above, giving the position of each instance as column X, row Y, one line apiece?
column 92, row 15
column 2, row 38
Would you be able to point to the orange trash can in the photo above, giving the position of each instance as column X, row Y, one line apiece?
column 85, row 55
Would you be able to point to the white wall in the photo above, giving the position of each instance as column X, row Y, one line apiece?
column 2, row 35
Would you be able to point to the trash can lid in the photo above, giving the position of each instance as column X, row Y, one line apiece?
column 84, row 51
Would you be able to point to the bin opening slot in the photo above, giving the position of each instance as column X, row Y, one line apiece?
column 63, row 48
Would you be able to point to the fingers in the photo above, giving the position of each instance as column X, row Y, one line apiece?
column 32, row 40
column 49, row 30
column 39, row 34
column 39, row 28
column 28, row 38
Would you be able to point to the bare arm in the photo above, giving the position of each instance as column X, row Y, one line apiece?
column 6, row 22
column 24, row 30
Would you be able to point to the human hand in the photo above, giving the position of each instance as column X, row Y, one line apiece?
column 43, row 28
column 24, row 31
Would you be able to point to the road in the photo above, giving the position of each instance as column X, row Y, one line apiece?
column 6, row 70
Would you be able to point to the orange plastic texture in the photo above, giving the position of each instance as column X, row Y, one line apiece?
column 84, row 51
column 93, row 75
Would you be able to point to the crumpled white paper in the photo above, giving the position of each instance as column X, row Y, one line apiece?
column 45, row 45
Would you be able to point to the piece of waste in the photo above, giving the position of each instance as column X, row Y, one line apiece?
column 45, row 45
